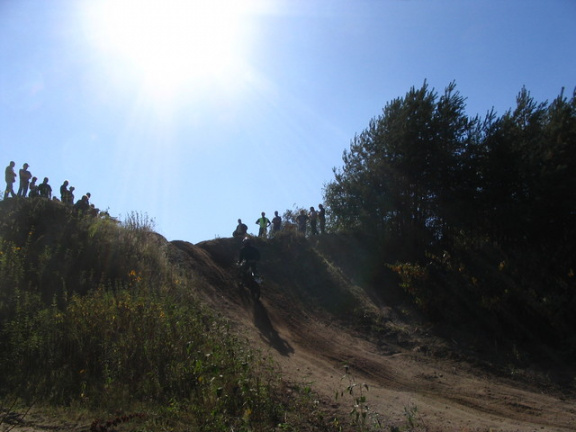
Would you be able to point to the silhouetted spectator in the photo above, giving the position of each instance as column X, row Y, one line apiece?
column 24, row 180
column 301, row 220
column 313, row 216
column 263, row 222
column 70, row 196
column 82, row 205
column 93, row 210
column 33, row 188
column 44, row 189
column 64, row 192
column 276, row 223
column 241, row 230
column 322, row 218
column 10, row 177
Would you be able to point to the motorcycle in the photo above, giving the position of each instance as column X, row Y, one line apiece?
column 250, row 279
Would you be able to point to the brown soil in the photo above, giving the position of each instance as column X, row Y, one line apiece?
column 310, row 319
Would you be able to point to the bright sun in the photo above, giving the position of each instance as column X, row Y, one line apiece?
column 173, row 45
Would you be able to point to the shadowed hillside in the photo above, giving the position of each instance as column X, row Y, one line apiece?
column 332, row 276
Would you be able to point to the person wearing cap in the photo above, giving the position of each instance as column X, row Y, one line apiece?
column 10, row 177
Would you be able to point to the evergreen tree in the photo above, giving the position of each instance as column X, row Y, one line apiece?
column 528, row 176
column 402, row 171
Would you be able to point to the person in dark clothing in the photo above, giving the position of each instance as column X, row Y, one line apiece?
column 276, row 223
column 33, row 188
column 44, row 189
column 313, row 217
column 70, row 196
column 10, row 177
column 249, row 277
column 249, row 256
column 301, row 220
column 322, row 218
column 82, row 205
column 241, row 230
column 64, row 192
column 24, row 180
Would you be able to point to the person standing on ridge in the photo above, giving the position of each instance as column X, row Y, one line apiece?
column 33, row 188
column 70, row 196
column 64, row 192
column 44, row 189
column 301, row 220
column 276, row 223
column 264, row 223
column 10, row 177
column 25, row 177
column 312, row 215
column 322, row 218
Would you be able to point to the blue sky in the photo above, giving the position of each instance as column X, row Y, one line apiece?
column 197, row 113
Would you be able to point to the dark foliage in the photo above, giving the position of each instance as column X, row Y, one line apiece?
column 481, row 212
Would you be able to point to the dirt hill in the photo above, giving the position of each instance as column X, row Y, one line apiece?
column 326, row 308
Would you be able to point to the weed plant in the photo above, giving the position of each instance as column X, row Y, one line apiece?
column 361, row 413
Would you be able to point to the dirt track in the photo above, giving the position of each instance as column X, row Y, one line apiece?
column 437, row 393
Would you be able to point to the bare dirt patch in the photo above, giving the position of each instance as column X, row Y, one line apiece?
column 406, row 381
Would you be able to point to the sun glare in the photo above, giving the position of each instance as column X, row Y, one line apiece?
column 172, row 45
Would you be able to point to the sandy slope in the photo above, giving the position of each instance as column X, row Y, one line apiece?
column 312, row 347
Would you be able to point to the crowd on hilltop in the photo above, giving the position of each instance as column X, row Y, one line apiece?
column 313, row 221
column 29, row 187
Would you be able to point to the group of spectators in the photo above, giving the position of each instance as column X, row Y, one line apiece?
column 29, row 188
column 316, row 219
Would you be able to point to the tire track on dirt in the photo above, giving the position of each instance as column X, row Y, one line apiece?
column 311, row 346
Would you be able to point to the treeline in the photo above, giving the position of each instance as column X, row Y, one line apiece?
column 424, row 168
column 432, row 182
